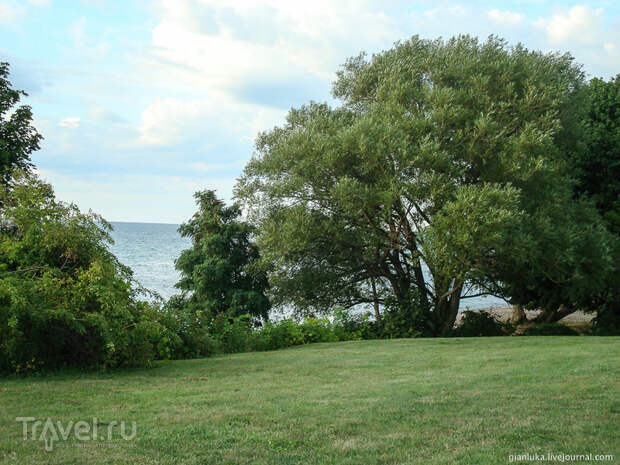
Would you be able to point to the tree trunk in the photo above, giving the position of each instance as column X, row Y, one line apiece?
column 453, row 309
column 518, row 315
column 446, row 308
column 375, row 302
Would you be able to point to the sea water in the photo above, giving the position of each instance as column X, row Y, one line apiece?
column 150, row 250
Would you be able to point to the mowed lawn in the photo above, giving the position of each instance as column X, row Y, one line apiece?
column 435, row 401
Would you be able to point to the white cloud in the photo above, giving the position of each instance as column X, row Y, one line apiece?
column 610, row 47
column 172, row 121
column 506, row 17
column 78, row 32
column 70, row 122
column 221, row 66
column 10, row 12
column 40, row 2
column 456, row 10
column 579, row 24
column 164, row 120
column 221, row 43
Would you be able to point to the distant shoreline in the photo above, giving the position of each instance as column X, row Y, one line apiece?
column 504, row 313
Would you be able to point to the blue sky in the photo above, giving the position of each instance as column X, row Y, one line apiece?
column 141, row 103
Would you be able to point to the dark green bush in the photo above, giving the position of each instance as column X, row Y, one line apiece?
column 65, row 300
column 406, row 318
column 189, row 329
column 479, row 323
column 277, row 335
column 219, row 272
column 549, row 329
column 232, row 333
column 607, row 321
column 238, row 334
column 317, row 330
column 353, row 327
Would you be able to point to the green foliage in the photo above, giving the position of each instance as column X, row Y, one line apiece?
column 278, row 335
column 444, row 156
column 607, row 320
column 474, row 324
column 231, row 334
column 597, row 167
column 549, row 329
column 317, row 330
column 189, row 328
column 18, row 138
column 219, row 273
column 406, row 318
column 597, row 171
column 353, row 327
column 64, row 298
column 236, row 334
column 567, row 258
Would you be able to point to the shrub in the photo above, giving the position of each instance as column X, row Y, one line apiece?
column 607, row 323
column 278, row 335
column 65, row 300
column 232, row 333
column 190, row 329
column 317, row 330
column 607, row 320
column 407, row 318
column 548, row 329
column 353, row 327
column 479, row 324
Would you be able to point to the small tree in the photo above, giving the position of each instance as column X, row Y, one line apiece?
column 219, row 273
column 18, row 138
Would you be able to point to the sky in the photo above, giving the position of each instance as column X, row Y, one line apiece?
column 142, row 103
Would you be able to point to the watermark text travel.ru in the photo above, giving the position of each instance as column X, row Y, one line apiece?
column 96, row 430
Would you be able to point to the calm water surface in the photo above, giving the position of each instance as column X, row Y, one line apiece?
column 150, row 249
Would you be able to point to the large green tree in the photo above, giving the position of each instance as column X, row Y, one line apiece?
column 218, row 273
column 18, row 138
column 423, row 179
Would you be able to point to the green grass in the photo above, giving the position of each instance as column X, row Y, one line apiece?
column 428, row 401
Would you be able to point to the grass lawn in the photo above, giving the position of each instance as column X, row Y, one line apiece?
column 443, row 401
